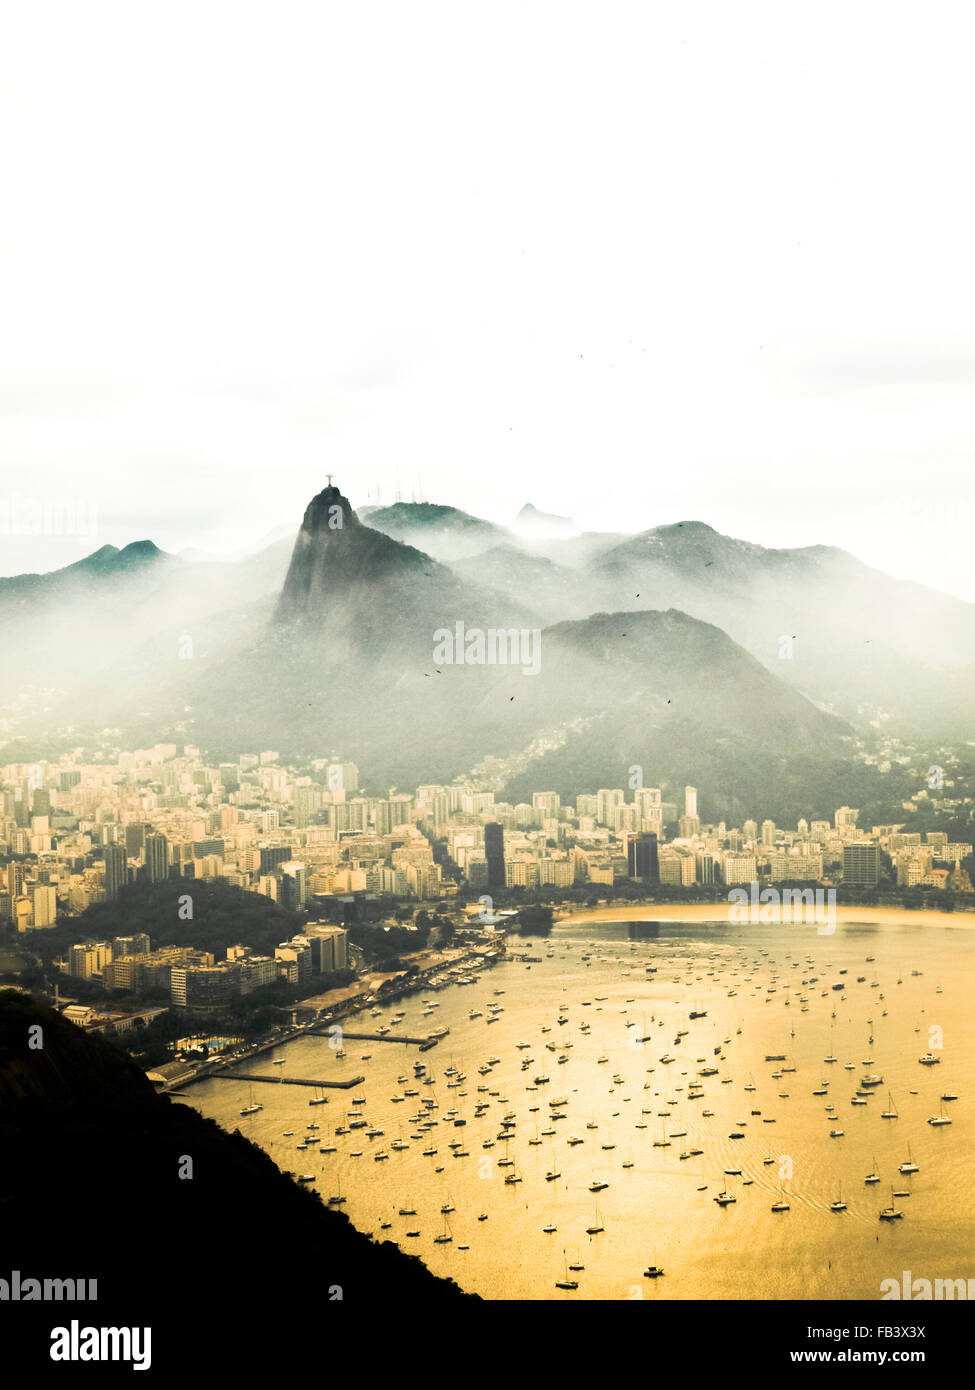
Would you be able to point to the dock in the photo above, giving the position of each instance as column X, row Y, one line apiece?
column 336, row 1030
column 288, row 1080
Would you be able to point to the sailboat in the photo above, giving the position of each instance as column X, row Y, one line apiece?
column 873, row 1176
column 839, row 1204
column 890, row 1213
column 890, row 1113
column 910, row 1166
column 941, row 1118
column 251, row 1108
column 566, row 1283
column 596, row 1226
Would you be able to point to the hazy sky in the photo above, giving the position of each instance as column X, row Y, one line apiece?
column 632, row 262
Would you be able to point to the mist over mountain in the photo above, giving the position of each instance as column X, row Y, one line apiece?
column 532, row 523
column 842, row 632
column 444, row 532
column 680, row 648
column 677, row 699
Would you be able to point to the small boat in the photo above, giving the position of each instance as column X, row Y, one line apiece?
column 890, row 1213
column 910, row 1166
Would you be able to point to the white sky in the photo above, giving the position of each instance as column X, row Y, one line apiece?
column 636, row 263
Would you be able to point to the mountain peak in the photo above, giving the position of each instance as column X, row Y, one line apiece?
column 335, row 553
column 329, row 511
column 533, row 524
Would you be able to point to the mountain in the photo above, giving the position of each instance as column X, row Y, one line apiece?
column 329, row 647
column 443, row 532
column 532, row 524
column 351, row 663
column 77, row 1115
column 678, row 699
column 556, row 590
column 844, row 633
column 349, row 652
column 88, row 576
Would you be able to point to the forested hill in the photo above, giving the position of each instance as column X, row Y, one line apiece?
column 90, row 1187
column 207, row 914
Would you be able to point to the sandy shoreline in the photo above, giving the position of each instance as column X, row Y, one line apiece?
column 846, row 915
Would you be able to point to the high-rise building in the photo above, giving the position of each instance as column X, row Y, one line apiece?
column 135, row 839
column 89, row 958
column 740, row 868
column 342, row 776
column 641, row 858
column 861, row 864
column 116, row 870
column 690, row 801
column 45, row 906
column 708, row 866
column 135, row 945
column 607, row 799
column 294, row 885
column 494, row 854
column 157, row 858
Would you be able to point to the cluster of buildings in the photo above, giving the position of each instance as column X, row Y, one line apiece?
column 195, row 980
column 605, row 837
column 74, row 833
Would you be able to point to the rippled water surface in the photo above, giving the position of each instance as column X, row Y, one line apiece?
column 658, row 1208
